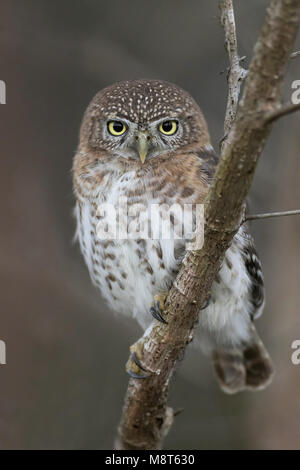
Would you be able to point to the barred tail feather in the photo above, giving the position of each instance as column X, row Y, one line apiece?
column 246, row 368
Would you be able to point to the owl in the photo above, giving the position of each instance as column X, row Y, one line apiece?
column 146, row 142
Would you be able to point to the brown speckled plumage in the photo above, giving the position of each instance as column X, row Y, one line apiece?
column 178, row 169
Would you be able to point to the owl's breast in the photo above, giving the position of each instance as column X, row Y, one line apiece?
column 125, row 254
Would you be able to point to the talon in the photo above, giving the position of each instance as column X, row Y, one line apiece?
column 137, row 361
column 134, row 365
column 136, row 376
column 157, row 308
column 157, row 315
column 206, row 304
column 159, row 312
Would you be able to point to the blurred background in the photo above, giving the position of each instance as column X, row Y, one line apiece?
column 64, row 381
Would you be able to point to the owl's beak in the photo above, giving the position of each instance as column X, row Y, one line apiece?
column 142, row 144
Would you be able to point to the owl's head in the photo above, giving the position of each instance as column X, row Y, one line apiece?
column 141, row 119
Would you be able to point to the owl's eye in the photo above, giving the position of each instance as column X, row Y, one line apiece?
column 168, row 127
column 116, row 127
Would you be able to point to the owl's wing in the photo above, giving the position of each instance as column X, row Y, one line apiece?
column 209, row 160
column 254, row 268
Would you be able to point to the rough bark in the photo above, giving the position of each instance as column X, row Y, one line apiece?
column 236, row 73
column 146, row 417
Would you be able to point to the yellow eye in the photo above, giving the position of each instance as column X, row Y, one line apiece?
column 116, row 127
column 168, row 127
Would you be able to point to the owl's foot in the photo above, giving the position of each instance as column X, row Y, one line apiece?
column 134, row 366
column 206, row 304
column 158, row 306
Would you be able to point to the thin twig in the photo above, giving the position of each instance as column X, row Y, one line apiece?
column 283, row 110
column 294, row 54
column 236, row 73
column 269, row 215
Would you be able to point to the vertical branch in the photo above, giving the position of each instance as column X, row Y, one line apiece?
column 236, row 73
column 146, row 417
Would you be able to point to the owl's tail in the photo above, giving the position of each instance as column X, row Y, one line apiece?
column 247, row 368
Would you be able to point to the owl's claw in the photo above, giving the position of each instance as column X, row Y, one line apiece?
column 137, row 361
column 158, row 306
column 134, row 366
column 206, row 304
column 136, row 376
column 157, row 315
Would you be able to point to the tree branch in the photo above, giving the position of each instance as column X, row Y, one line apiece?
column 283, row 110
column 294, row 54
column 236, row 73
column 146, row 417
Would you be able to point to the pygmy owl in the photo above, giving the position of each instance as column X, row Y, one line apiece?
column 147, row 141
